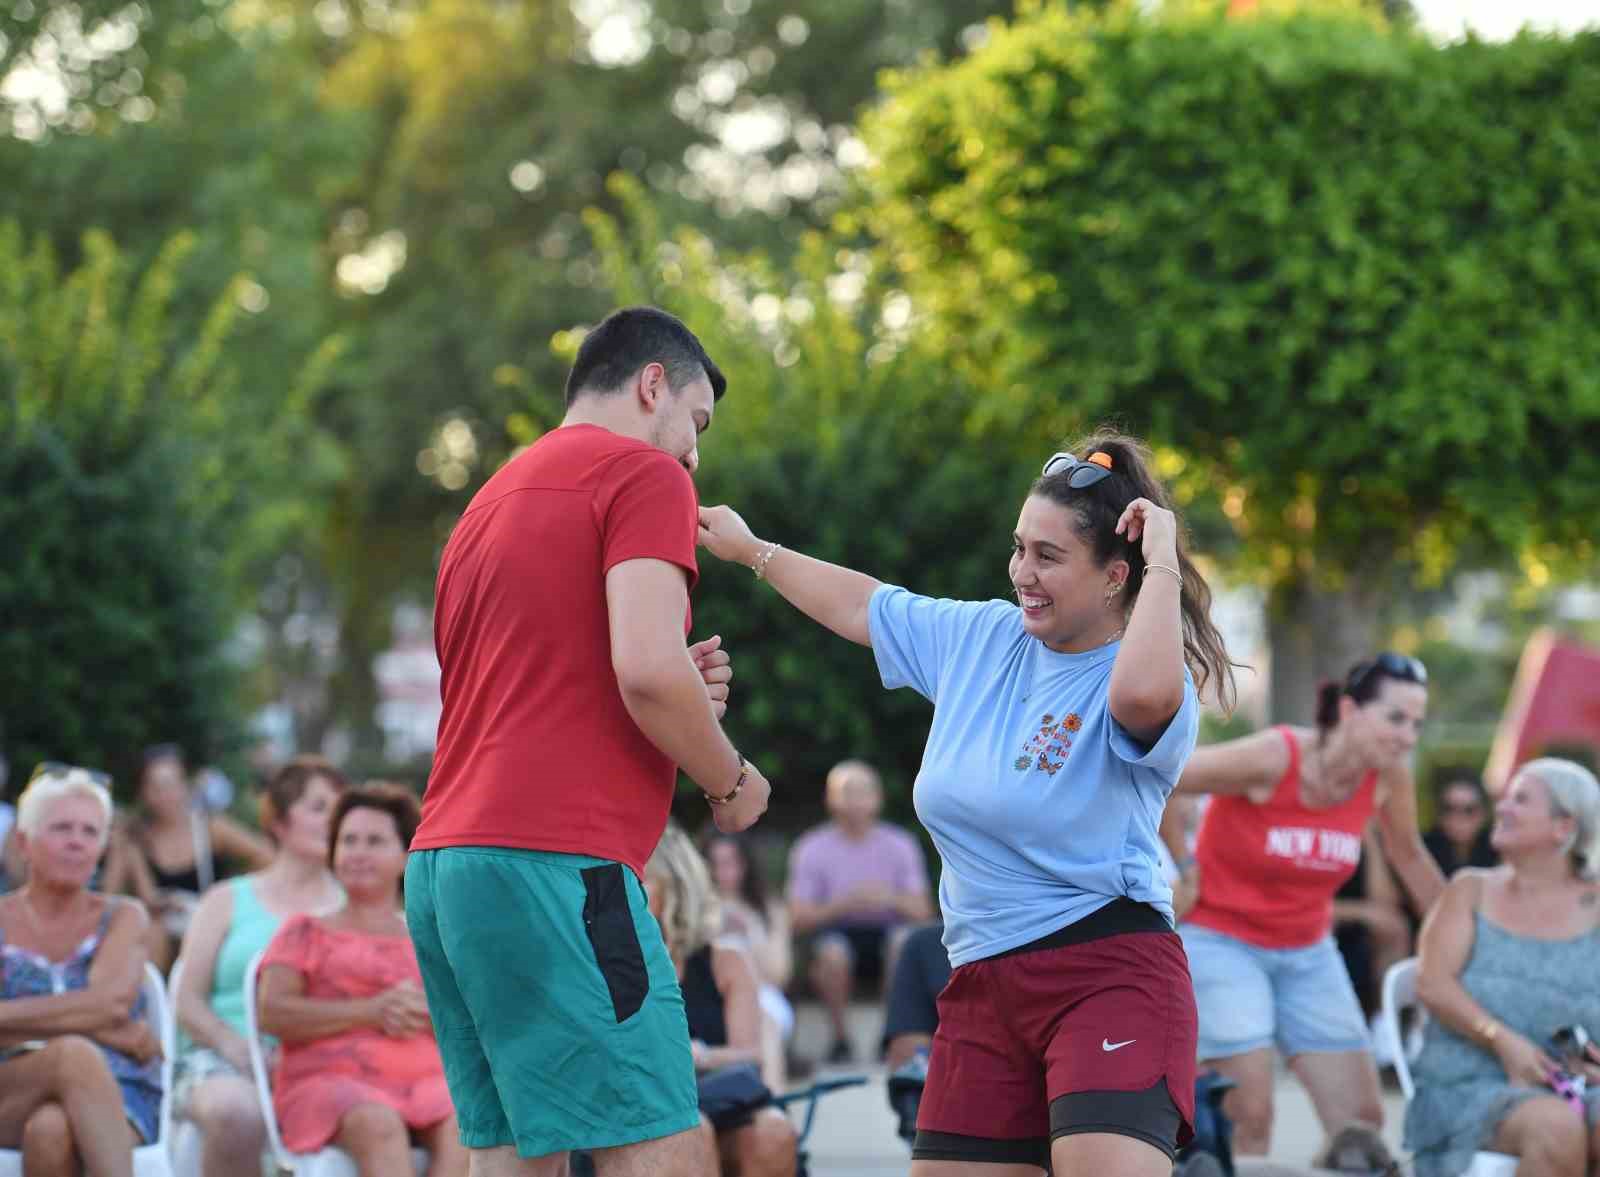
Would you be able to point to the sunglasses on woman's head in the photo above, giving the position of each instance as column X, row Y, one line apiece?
column 1391, row 665
column 58, row 768
column 1079, row 474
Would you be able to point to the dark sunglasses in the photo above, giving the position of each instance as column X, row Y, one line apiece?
column 59, row 768
column 1467, row 810
column 1389, row 664
column 1079, row 474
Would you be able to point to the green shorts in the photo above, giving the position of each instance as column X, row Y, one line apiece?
column 554, row 1001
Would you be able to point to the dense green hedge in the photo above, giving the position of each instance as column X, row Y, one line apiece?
column 1353, row 275
column 115, row 619
column 135, row 488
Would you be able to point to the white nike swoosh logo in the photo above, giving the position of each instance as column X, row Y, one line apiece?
column 1108, row 1045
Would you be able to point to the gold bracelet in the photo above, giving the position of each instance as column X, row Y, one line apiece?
column 760, row 566
column 1170, row 571
column 1488, row 1029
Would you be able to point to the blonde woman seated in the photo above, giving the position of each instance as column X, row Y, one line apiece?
column 80, row 1070
column 721, row 1000
column 343, row 994
column 1510, row 955
column 758, row 920
column 236, row 920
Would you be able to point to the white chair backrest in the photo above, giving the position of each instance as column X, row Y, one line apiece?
column 1399, row 995
column 169, row 1048
column 258, row 1062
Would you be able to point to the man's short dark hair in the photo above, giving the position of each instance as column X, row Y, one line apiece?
column 627, row 340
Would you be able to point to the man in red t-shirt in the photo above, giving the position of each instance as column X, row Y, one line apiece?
column 570, row 702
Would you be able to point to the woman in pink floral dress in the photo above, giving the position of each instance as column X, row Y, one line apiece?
column 360, row 1068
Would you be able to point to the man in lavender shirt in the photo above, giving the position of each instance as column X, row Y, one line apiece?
column 858, row 884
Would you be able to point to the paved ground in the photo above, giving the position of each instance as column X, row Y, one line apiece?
column 854, row 1132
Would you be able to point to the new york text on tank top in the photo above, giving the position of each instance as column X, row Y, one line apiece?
column 1314, row 849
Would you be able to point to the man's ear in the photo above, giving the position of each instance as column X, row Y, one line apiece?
column 650, row 385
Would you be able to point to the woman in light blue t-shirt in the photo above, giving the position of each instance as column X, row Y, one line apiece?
column 1067, row 1031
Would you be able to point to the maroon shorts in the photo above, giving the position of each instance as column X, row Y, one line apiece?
column 1091, row 1029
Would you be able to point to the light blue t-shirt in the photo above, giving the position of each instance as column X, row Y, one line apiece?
column 1043, row 807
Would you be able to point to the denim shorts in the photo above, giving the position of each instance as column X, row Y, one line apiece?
column 1297, row 999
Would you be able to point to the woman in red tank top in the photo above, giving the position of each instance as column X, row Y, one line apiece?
column 1281, row 835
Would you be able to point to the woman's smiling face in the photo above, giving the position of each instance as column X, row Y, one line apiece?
column 1061, row 588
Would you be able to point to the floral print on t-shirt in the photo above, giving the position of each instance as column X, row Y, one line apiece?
column 1050, row 741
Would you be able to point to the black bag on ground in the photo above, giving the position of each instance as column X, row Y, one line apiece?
column 730, row 1096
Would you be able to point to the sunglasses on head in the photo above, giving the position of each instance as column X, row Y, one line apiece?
column 1078, row 474
column 59, row 768
column 1391, row 665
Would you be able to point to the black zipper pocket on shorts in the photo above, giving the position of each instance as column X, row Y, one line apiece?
column 609, row 924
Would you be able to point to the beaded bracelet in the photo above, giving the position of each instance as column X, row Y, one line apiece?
column 760, row 566
column 726, row 798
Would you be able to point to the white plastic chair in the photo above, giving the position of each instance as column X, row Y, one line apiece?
column 149, row 1160
column 183, row 1137
column 327, row 1162
column 1399, row 995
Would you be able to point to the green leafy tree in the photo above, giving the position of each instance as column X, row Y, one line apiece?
column 411, row 176
column 1352, row 275
column 840, row 436
column 135, row 489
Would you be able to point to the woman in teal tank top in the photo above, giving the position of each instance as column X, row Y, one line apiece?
column 235, row 920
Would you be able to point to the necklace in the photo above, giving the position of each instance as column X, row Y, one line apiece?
column 36, row 924
column 1033, row 661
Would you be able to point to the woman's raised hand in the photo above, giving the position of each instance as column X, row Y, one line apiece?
column 726, row 536
column 1155, row 526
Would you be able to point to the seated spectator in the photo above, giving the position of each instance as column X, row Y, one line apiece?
column 342, row 993
column 80, row 1069
column 1460, row 833
column 911, row 1002
column 167, row 856
column 11, row 869
column 1372, row 932
column 753, row 918
column 1507, row 957
column 721, row 1000
column 235, row 920
column 856, row 884
column 8, row 821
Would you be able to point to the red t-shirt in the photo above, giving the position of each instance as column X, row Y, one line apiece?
column 536, row 749
column 1268, row 872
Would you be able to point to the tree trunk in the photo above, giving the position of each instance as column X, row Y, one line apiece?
column 1316, row 634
